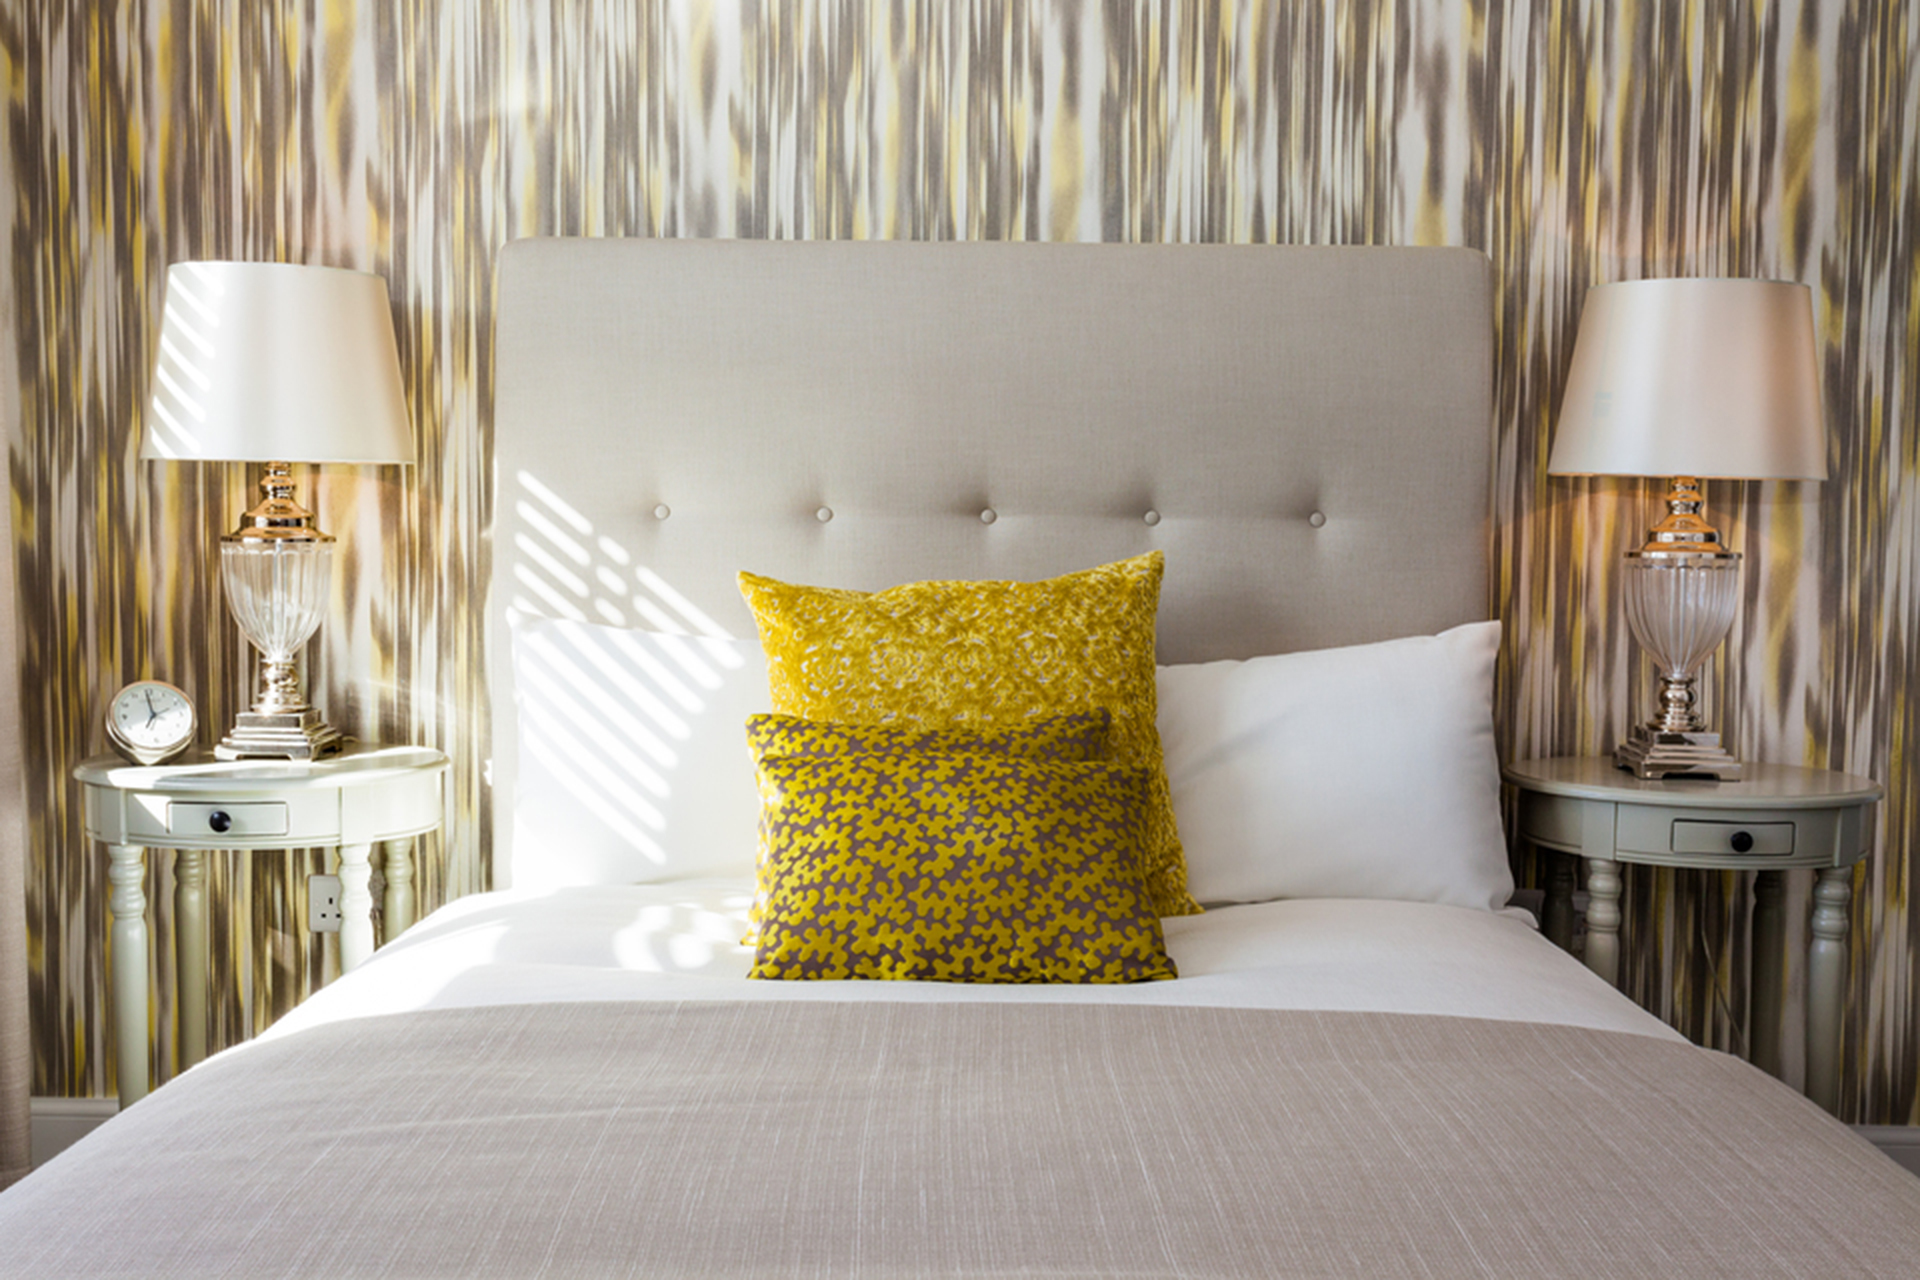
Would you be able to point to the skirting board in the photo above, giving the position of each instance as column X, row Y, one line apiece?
column 58, row 1123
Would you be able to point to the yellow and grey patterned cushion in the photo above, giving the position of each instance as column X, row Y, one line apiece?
column 1081, row 736
column 956, row 868
column 977, row 654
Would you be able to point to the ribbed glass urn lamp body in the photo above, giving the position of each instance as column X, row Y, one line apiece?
column 278, row 572
column 1680, row 608
column 278, row 592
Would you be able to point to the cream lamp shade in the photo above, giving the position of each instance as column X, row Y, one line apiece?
column 1702, row 378
column 268, row 362
column 1689, row 379
column 274, row 363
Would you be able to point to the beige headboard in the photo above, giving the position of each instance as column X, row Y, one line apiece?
column 1304, row 431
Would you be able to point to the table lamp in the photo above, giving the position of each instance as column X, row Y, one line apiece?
column 273, row 363
column 1689, row 379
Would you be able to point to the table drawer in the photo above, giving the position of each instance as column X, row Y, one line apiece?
column 1701, row 837
column 1761, row 839
column 224, row 821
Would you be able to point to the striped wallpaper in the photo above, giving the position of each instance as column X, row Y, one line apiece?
column 1574, row 142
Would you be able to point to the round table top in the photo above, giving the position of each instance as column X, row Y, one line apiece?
column 1764, row 786
column 359, row 764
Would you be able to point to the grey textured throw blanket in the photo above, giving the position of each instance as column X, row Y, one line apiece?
column 787, row 1139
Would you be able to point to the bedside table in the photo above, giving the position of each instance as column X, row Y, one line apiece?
column 351, row 801
column 1774, row 818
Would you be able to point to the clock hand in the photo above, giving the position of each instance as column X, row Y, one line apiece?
column 152, row 713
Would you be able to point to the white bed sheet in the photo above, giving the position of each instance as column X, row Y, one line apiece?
column 680, row 941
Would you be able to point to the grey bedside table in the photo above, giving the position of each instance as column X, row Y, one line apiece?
column 1776, row 817
column 364, row 796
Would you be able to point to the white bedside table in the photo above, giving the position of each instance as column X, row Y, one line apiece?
column 351, row 801
column 1776, row 817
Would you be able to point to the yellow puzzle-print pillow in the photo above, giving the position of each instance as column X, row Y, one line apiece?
column 956, row 868
column 965, row 655
column 1074, row 737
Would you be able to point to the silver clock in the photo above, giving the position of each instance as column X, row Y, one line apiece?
column 150, row 721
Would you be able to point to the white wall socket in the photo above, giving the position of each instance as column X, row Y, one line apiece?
column 323, row 904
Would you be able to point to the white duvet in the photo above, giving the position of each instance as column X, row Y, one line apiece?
column 680, row 941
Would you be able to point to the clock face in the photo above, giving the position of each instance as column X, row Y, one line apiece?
column 149, row 721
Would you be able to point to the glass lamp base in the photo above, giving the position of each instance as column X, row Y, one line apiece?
column 1679, row 605
column 1652, row 752
column 277, row 569
column 279, row 735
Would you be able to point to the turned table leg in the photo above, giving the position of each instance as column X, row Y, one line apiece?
column 127, row 870
column 1769, row 970
column 356, row 905
column 1603, row 918
column 397, row 912
column 190, row 952
column 1827, row 984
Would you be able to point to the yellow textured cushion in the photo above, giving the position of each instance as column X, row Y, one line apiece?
column 956, row 868
column 978, row 654
column 1082, row 736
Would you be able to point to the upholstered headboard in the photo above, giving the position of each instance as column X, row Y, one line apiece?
column 1304, row 431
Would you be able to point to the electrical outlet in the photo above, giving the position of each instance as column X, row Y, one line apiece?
column 323, row 904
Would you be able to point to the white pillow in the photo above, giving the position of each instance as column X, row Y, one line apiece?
column 632, row 754
column 1365, row 772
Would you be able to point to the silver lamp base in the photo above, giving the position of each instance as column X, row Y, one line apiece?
column 279, row 735
column 276, row 568
column 1655, row 753
column 1680, row 591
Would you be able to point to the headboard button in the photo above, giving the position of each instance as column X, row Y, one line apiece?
column 1317, row 519
column 662, row 511
column 823, row 515
column 989, row 516
column 1152, row 517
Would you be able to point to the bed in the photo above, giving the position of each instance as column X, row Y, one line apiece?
column 1368, row 1064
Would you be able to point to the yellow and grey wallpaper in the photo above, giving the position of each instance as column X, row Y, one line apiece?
column 1575, row 142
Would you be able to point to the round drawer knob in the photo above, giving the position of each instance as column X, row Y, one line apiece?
column 1742, row 841
column 220, row 820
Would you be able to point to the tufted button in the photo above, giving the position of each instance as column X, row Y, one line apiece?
column 1152, row 517
column 823, row 515
column 662, row 511
column 989, row 516
column 1317, row 519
